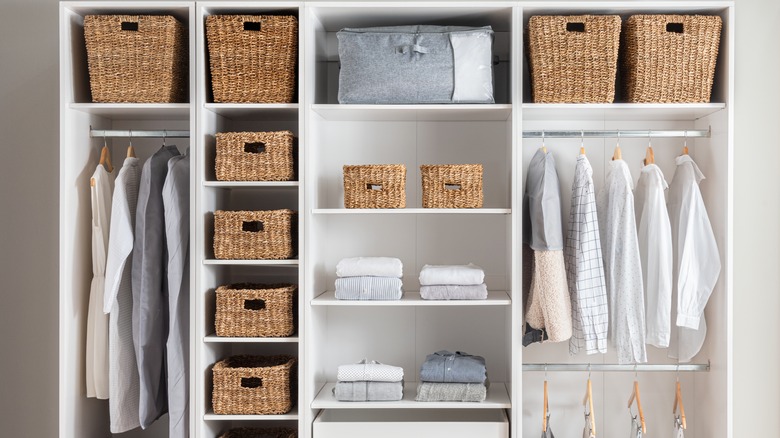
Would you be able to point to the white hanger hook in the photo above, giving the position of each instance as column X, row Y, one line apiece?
column 685, row 143
column 165, row 134
column 618, row 138
column 582, row 138
column 543, row 138
column 545, row 371
column 588, row 371
column 636, row 376
column 131, row 137
column 105, row 142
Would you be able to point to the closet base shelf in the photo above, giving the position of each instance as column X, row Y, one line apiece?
column 497, row 398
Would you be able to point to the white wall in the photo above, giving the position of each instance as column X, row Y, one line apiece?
column 28, row 220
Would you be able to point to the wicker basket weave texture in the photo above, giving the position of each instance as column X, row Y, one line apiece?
column 254, row 432
column 256, row 310
column 255, row 156
column 573, row 59
column 375, row 186
column 145, row 65
column 255, row 235
column 452, row 185
column 670, row 58
column 252, row 57
column 254, row 385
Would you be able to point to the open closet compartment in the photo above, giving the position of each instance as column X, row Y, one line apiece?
column 79, row 155
column 403, row 332
column 708, row 393
column 213, row 195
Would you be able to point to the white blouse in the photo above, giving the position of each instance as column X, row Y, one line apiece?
column 655, row 248
column 622, row 266
column 696, row 257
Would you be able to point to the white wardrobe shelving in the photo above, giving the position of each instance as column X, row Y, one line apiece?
column 332, row 332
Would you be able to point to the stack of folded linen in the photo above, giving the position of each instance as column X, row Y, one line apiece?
column 369, row 278
column 369, row 381
column 448, row 376
column 464, row 282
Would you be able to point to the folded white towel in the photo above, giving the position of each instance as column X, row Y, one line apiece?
column 372, row 371
column 470, row 274
column 370, row 266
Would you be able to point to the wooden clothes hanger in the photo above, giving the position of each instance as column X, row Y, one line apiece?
column 544, row 409
column 105, row 161
column 589, row 401
column 617, row 155
column 685, row 145
column 544, row 148
column 635, row 396
column 679, row 402
column 649, row 155
column 582, row 142
column 130, row 149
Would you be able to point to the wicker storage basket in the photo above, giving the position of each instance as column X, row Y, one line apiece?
column 573, row 58
column 255, row 156
column 254, row 385
column 252, row 57
column 452, row 185
column 375, row 186
column 253, row 235
column 670, row 58
column 253, row 432
column 256, row 310
column 136, row 58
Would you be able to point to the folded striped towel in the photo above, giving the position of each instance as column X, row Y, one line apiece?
column 370, row 266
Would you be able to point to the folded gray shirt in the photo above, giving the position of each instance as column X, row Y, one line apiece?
column 448, row 367
column 368, row 288
column 369, row 391
column 454, row 292
column 464, row 392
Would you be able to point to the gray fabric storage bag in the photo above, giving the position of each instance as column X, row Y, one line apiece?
column 416, row 64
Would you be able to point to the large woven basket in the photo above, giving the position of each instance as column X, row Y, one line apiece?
column 136, row 58
column 256, row 310
column 253, row 235
column 255, row 156
column 452, row 185
column 252, row 57
column 375, row 186
column 255, row 432
column 670, row 58
column 254, row 385
column 573, row 59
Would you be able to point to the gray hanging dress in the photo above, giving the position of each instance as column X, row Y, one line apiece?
column 176, row 200
column 150, row 291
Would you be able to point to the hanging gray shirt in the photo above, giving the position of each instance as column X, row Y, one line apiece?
column 150, row 301
column 542, row 225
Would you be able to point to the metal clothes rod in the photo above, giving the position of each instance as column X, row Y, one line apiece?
column 98, row 133
column 600, row 367
column 695, row 133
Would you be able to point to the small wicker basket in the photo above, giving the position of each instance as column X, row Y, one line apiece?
column 254, row 385
column 254, row 432
column 452, row 185
column 255, row 235
column 375, row 186
column 252, row 57
column 670, row 58
column 136, row 58
column 573, row 59
column 255, row 156
column 256, row 310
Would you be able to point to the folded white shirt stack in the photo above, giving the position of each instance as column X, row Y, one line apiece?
column 452, row 282
column 369, row 278
column 369, row 381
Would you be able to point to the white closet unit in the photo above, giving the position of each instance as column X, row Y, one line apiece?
column 213, row 195
column 330, row 332
column 79, row 155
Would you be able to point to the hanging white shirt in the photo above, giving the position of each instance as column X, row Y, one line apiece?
column 696, row 257
column 123, row 380
column 97, row 322
column 655, row 248
column 622, row 266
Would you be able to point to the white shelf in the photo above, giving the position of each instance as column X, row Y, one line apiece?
column 292, row 415
column 136, row 111
column 447, row 112
column 495, row 298
column 411, row 211
column 497, row 398
column 289, row 262
column 255, row 111
column 619, row 111
column 213, row 338
column 243, row 184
